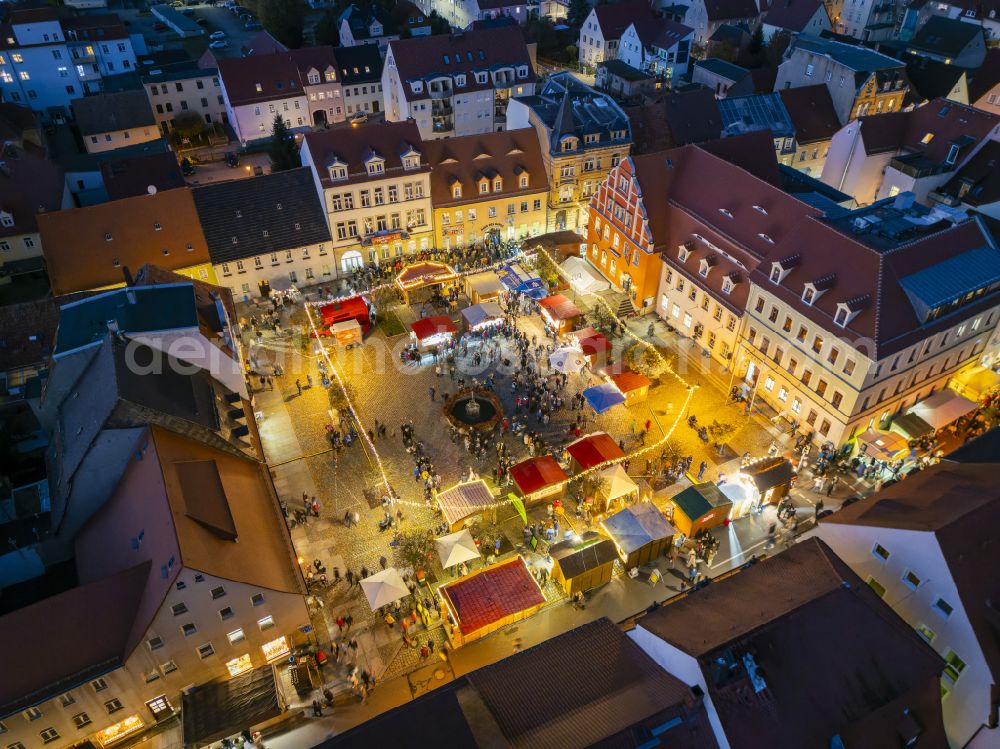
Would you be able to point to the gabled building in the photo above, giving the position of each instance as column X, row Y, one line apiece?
column 860, row 81
column 361, row 79
column 984, row 15
column 916, row 151
column 858, row 315
column 111, row 121
column 375, row 25
column 723, row 78
column 266, row 230
column 48, row 60
column 491, row 185
column 89, row 248
column 866, row 20
column 583, row 134
column 976, row 185
column 374, row 183
column 873, row 683
column 814, row 119
column 706, row 16
column 796, row 17
column 602, row 30
column 185, row 574
column 660, row 47
column 183, row 87
column 951, row 41
column 457, row 84
column 922, row 546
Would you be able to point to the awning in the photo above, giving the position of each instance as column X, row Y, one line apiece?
column 604, row 397
column 456, row 548
column 941, row 409
column 559, row 307
column 462, row 500
column 427, row 327
column 480, row 313
column 620, row 484
column 583, row 277
column 911, row 426
column 384, row 587
column 226, row 707
column 516, row 278
column 882, row 445
column 567, row 360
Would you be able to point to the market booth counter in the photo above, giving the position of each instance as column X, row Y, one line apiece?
column 559, row 313
column 539, row 478
column 700, row 507
column 431, row 332
column 579, row 565
column 641, row 534
column 481, row 603
column 593, row 450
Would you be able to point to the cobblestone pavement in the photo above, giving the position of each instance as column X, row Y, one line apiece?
column 293, row 429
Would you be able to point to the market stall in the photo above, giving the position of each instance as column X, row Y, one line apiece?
column 944, row 408
column 347, row 333
column 226, row 707
column 700, row 507
column 584, row 562
column 583, row 277
column 641, row 534
column 593, row 450
column 559, row 313
column 538, row 478
column 911, row 426
column 466, row 500
column 431, row 332
column 567, row 360
column 482, row 316
column 603, row 398
column 515, row 278
column 594, row 345
column 618, row 489
column 384, row 588
column 488, row 599
column 344, row 310
column 633, row 385
column 975, row 383
column 771, row 477
column 456, row 548
column 424, row 275
column 882, row 445
column 483, row 287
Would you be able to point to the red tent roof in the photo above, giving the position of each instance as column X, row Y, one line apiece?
column 353, row 308
column 537, row 473
column 428, row 326
column 592, row 341
column 560, row 307
column 629, row 380
column 492, row 595
column 594, row 449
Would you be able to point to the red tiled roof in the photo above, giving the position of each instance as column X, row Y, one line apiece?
column 426, row 327
column 812, row 112
column 493, row 594
column 534, row 474
column 944, row 120
column 560, row 307
column 615, row 18
column 594, row 449
column 352, row 146
column 278, row 76
column 629, row 380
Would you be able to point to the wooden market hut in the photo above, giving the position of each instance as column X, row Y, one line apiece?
column 581, row 565
column 430, row 332
column 481, row 315
column 488, row 599
column 422, row 275
column 594, row 344
column 633, row 385
column 593, row 450
column 773, row 478
column 619, row 489
column 539, row 478
column 483, row 287
column 700, row 507
column 560, row 313
column 466, row 500
column 641, row 534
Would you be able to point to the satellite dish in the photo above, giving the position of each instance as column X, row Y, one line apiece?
column 151, row 189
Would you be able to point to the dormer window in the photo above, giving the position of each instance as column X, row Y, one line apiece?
column 338, row 171
column 6, row 219
column 726, row 212
column 259, row 88
column 456, row 190
column 841, row 317
column 809, row 294
column 375, row 167
column 417, row 86
column 727, row 285
column 522, row 71
column 480, row 78
column 704, row 267
column 765, row 237
column 460, row 80
column 524, row 180
column 313, row 77
column 760, row 209
column 683, row 252
column 108, row 237
column 331, row 75
column 497, row 185
column 411, row 162
column 777, row 273
column 484, row 186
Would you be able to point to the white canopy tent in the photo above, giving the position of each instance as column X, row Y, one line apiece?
column 456, row 548
column 941, row 409
column 620, row 484
column 583, row 277
column 384, row 587
column 567, row 360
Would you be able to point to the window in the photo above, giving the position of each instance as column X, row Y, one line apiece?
column 113, row 705
column 49, row 735
column 188, row 629
column 81, row 719
column 199, row 578
column 943, row 608
column 178, row 609
column 168, row 668
column 65, row 700
column 217, row 593
column 236, row 636
column 911, row 580
column 239, row 665
column 265, row 623
column 32, row 713
column 99, row 685
column 877, row 587
column 849, row 366
column 926, row 632
column 206, row 650
column 226, row 613
column 953, row 666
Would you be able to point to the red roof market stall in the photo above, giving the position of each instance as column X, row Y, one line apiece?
column 594, row 345
column 489, row 599
column 345, row 310
column 593, row 450
column 559, row 312
column 538, row 478
column 634, row 386
column 433, row 331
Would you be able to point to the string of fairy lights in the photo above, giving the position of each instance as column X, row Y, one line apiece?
column 643, row 450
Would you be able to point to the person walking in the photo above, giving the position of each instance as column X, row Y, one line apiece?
column 383, row 562
column 832, row 485
column 431, row 391
column 298, row 385
column 703, row 466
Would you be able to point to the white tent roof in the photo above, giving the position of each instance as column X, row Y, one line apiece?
column 583, row 277
column 620, row 484
column 384, row 587
column 943, row 408
column 486, row 283
column 456, row 548
column 567, row 360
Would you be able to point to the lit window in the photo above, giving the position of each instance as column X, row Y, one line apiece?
column 877, row 587
column 926, row 632
column 236, row 636
column 239, row 665
column 911, row 580
column 275, row 649
column 265, row 623
column 953, row 666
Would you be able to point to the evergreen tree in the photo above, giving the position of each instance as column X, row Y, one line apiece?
column 577, row 13
column 284, row 155
column 283, row 19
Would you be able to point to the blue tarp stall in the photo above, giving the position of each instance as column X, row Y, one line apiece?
column 485, row 312
column 603, row 397
column 516, row 278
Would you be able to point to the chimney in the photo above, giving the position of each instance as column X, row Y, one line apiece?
column 129, row 281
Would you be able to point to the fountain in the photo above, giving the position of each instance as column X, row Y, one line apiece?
column 473, row 407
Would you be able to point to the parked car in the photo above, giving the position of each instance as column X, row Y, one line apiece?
column 215, row 35
column 253, row 26
column 219, row 44
column 232, row 159
column 188, row 12
column 358, row 118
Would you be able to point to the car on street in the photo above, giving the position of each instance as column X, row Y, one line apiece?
column 202, row 22
column 219, row 44
column 358, row 118
column 216, row 35
column 253, row 25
